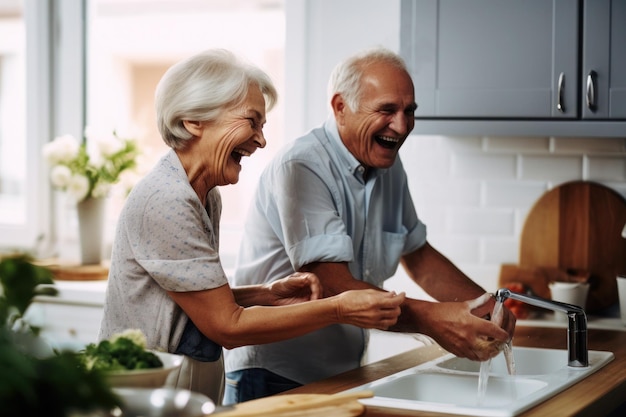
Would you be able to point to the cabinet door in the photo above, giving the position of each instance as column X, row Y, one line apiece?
column 492, row 59
column 604, row 60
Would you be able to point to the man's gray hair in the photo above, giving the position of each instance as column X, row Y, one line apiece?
column 199, row 88
column 346, row 77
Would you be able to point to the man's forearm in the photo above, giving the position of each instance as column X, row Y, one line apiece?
column 439, row 277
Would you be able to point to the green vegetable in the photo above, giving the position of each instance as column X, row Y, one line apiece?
column 56, row 384
column 117, row 354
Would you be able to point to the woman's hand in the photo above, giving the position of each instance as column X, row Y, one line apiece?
column 296, row 288
column 370, row 309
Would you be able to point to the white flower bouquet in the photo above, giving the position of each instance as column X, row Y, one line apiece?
column 88, row 169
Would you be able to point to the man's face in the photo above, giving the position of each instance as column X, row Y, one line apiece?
column 375, row 131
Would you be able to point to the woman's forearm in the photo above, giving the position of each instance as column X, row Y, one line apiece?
column 262, row 324
column 221, row 319
column 251, row 295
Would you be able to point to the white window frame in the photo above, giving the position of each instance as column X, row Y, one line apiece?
column 54, row 106
column 37, row 24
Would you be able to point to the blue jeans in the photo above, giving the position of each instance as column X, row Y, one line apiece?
column 250, row 384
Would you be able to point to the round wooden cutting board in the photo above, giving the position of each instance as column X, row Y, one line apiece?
column 577, row 226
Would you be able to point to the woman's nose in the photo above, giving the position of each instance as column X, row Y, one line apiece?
column 259, row 139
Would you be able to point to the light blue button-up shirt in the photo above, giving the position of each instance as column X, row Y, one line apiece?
column 313, row 204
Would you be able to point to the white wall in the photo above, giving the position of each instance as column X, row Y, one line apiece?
column 320, row 33
column 472, row 192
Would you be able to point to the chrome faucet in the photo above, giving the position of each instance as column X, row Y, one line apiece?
column 578, row 356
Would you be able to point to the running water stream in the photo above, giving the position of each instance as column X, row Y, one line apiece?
column 485, row 367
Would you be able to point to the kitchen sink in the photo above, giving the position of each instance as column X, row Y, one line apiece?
column 450, row 384
column 528, row 361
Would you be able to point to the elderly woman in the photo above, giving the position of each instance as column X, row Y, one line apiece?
column 166, row 278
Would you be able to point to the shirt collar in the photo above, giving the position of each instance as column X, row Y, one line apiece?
column 349, row 161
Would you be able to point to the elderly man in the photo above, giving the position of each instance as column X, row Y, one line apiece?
column 336, row 202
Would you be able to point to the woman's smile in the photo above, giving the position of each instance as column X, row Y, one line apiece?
column 238, row 153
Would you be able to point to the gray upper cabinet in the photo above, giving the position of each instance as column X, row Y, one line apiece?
column 604, row 60
column 520, row 67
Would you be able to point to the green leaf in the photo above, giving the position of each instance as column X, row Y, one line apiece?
column 20, row 279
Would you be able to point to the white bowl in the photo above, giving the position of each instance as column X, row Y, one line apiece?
column 163, row 402
column 146, row 378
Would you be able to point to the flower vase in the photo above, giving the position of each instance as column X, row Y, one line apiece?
column 90, row 225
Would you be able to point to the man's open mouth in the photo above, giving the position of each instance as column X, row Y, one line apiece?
column 387, row 141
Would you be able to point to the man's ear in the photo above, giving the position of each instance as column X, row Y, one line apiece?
column 193, row 127
column 339, row 108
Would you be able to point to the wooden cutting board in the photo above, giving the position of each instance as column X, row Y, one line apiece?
column 65, row 272
column 577, row 226
column 302, row 405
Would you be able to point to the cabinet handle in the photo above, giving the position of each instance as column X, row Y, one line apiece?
column 559, row 105
column 591, row 90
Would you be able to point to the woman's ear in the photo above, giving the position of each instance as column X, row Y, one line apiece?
column 193, row 127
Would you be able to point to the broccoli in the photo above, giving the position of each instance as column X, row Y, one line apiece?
column 117, row 354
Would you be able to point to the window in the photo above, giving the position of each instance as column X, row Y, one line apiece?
column 12, row 114
column 131, row 43
column 24, row 84
column 120, row 52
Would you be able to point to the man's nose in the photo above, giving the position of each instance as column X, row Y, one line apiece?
column 401, row 123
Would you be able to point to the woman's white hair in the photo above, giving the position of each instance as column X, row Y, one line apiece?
column 199, row 88
column 346, row 77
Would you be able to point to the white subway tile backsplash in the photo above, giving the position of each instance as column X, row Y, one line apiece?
column 433, row 217
column 474, row 193
column 551, row 168
column 606, row 168
column 515, row 144
column 500, row 250
column 460, row 144
column 481, row 222
column 424, row 158
column 483, row 166
column 446, row 193
column 512, row 193
column 458, row 249
column 483, row 274
column 589, row 145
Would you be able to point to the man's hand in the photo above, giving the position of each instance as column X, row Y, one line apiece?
column 484, row 305
column 460, row 329
column 296, row 288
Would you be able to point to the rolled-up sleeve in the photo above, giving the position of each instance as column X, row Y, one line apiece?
column 307, row 212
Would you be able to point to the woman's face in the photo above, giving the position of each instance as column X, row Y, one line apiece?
column 237, row 133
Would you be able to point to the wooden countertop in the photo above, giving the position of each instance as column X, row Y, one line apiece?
column 596, row 395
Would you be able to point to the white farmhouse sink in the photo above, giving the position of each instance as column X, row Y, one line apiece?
column 450, row 384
